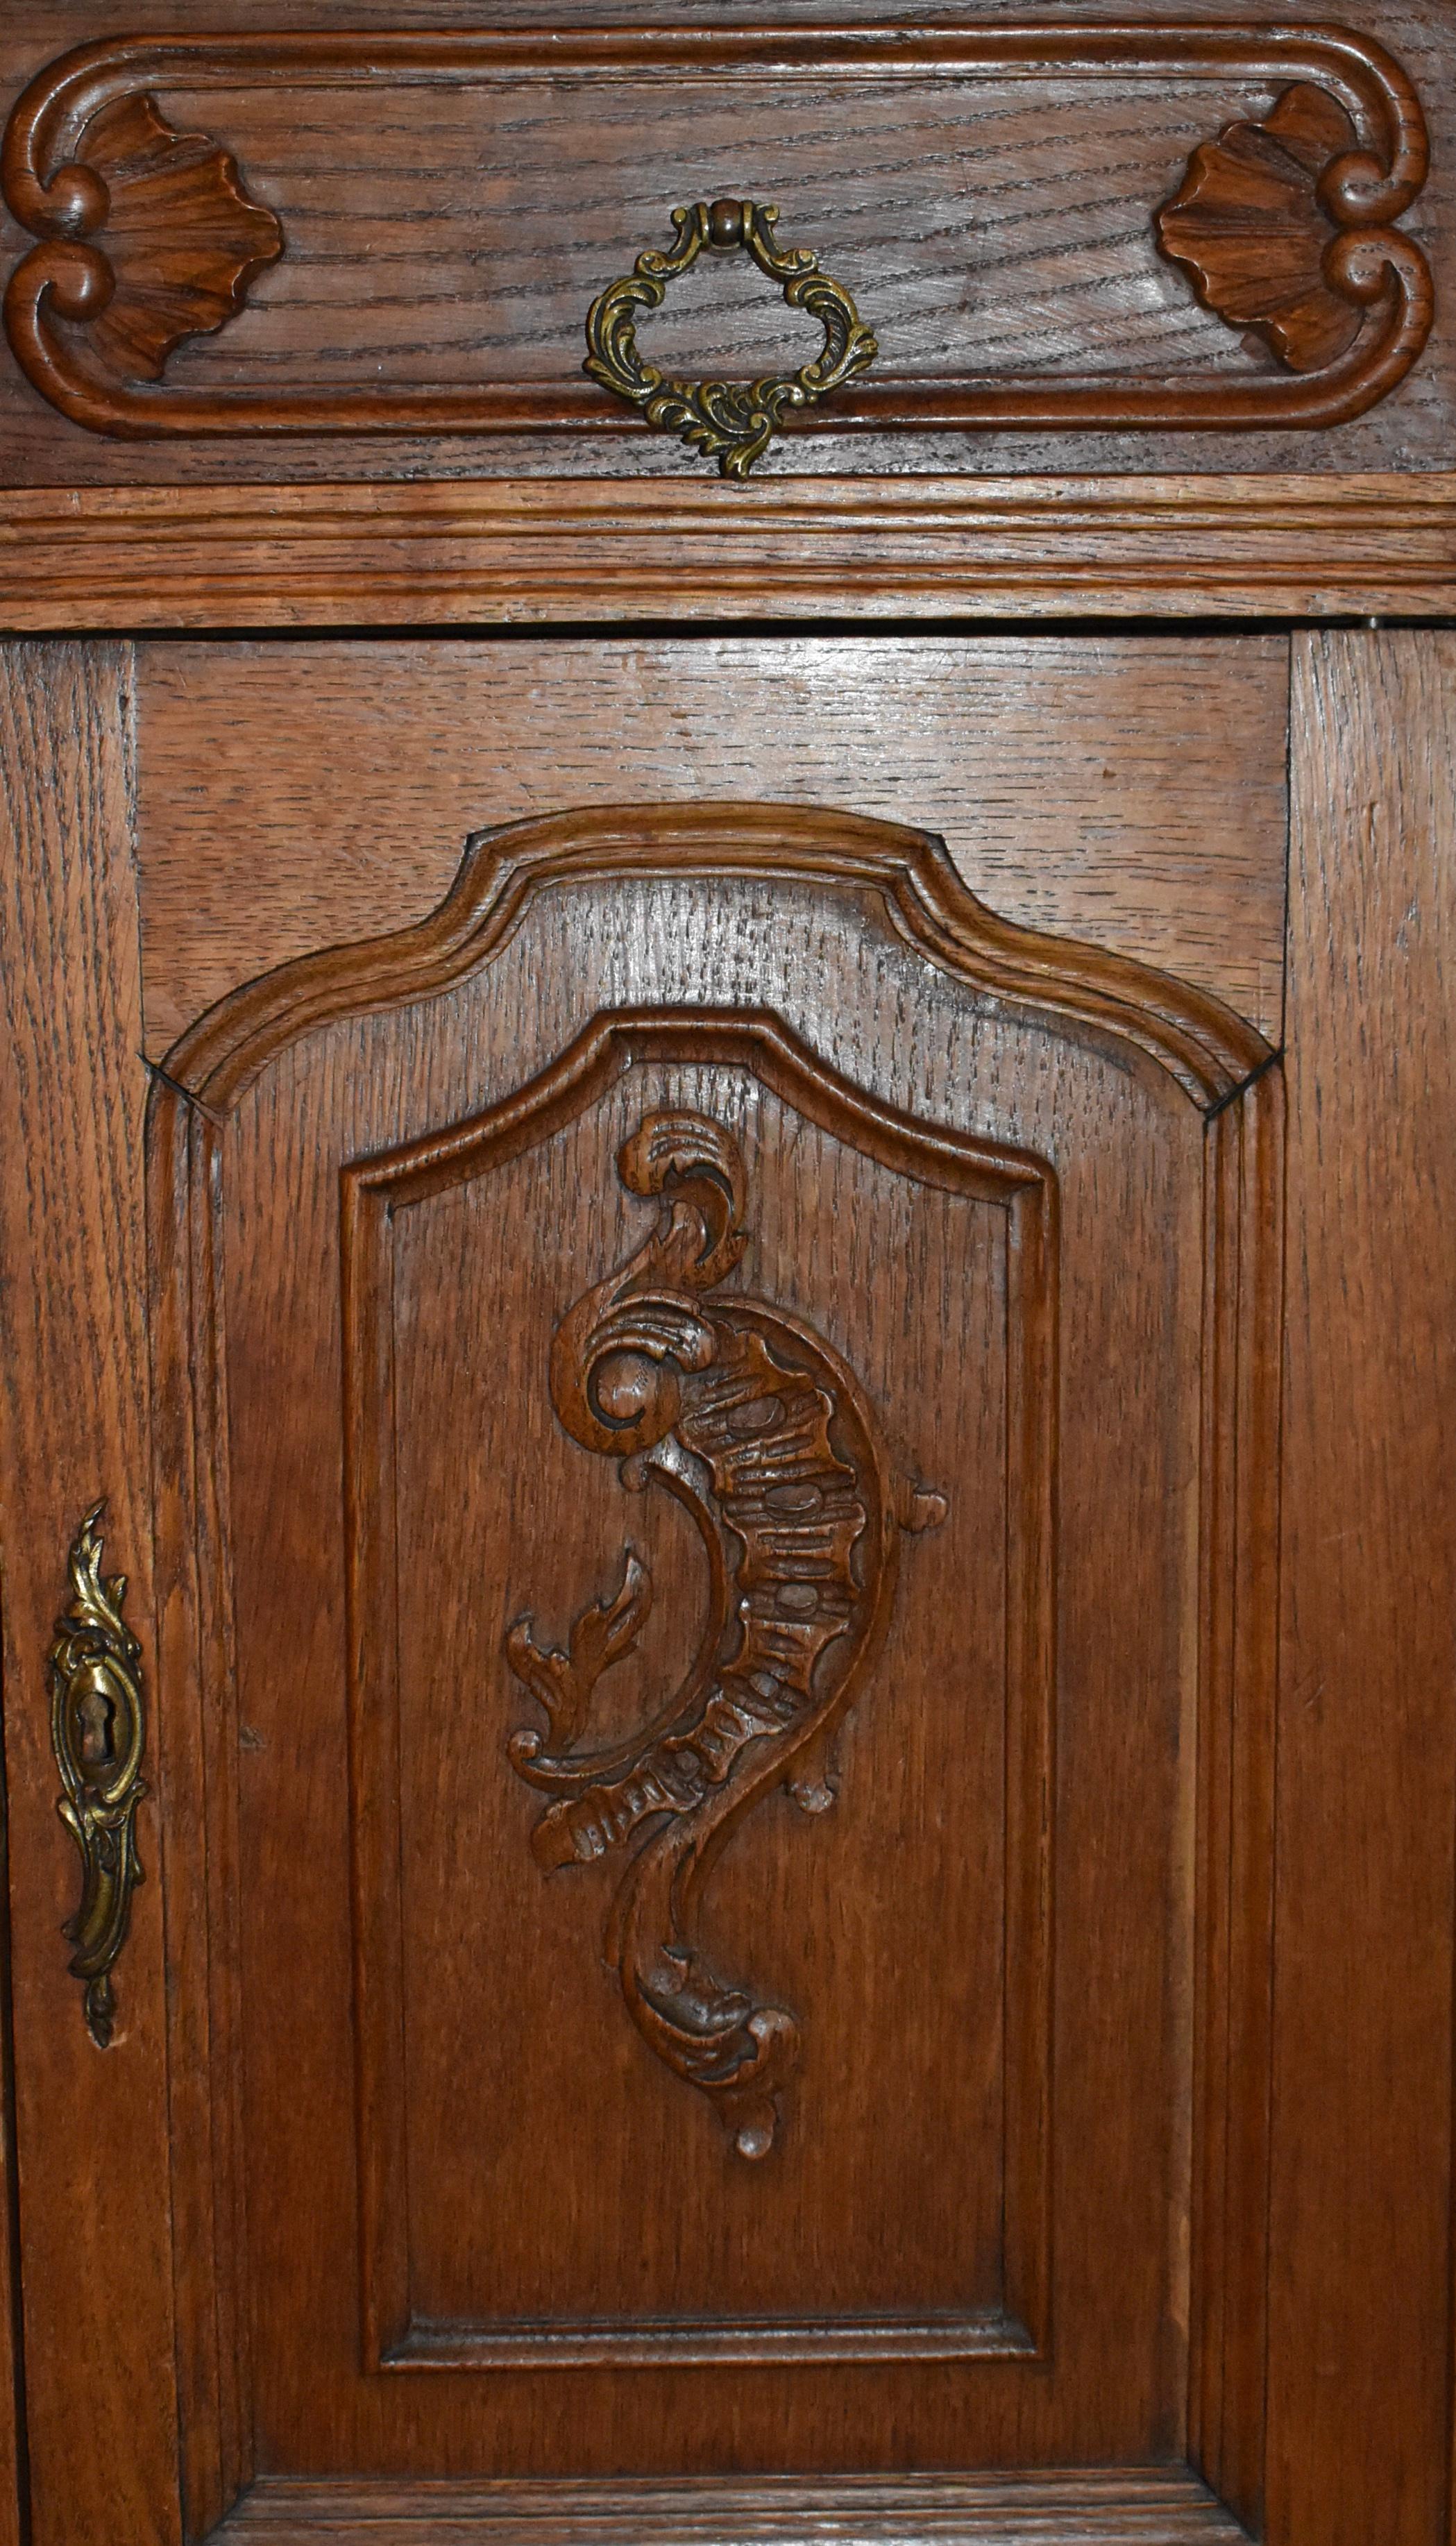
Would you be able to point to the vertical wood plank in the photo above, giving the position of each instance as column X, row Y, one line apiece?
column 14, row 2484
column 1241, row 1630
column 90, row 2124
column 1367, row 1760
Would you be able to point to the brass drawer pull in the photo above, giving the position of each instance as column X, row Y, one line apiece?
column 98, row 1730
column 731, row 421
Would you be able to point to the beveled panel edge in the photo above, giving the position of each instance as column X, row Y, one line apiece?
column 1096, row 2507
column 374, row 1190
column 1231, row 2087
column 499, row 550
column 1238, row 1684
column 65, row 154
column 644, row 2343
column 1208, row 1051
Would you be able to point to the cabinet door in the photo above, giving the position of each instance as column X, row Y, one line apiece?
column 706, row 1592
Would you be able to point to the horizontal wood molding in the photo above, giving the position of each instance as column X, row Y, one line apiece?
column 502, row 549
column 1142, row 2506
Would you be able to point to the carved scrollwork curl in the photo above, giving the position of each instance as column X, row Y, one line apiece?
column 729, row 421
column 765, row 1437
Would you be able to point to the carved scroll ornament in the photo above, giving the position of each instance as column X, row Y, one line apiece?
column 1285, row 224
column 97, row 1733
column 762, row 1433
column 150, row 240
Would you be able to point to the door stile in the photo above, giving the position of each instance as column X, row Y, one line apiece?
column 200, row 1715
column 91, row 2144
column 1238, row 1635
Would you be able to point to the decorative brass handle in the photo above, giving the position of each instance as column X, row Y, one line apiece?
column 730, row 420
column 98, row 1730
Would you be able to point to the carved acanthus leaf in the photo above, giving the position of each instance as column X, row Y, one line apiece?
column 1249, row 225
column 601, row 1635
column 182, row 238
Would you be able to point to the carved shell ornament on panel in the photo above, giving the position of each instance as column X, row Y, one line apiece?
column 760, row 1431
column 1250, row 226
column 182, row 242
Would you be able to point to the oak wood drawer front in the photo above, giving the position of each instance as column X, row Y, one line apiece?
column 1053, row 228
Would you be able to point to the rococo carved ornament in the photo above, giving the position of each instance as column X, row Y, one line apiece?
column 762, row 1433
column 1273, row 223
column 150, row 240
column 730, row 422
column 1285, row 224
column 98, row 1731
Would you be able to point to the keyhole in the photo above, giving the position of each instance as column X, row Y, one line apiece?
column 97, row 1714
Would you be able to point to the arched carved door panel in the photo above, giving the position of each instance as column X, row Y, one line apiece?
column 726, row 1398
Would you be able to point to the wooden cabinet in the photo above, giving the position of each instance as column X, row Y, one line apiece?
column 697, row 1436
column 725, row 1404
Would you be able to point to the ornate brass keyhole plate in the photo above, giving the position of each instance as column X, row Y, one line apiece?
column 98, row 1731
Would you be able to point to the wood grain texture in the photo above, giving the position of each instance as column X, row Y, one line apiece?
column 980, row 1220
column 14, row 2476
column 1360, row 2399
column 74, row 1423
column 198, row 1735
column 510, row 550
column 1155, row 2508
column 1238, row 1625
column 1091, row 296
column 1075, row 781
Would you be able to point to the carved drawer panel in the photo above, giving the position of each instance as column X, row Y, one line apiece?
column 278, row 246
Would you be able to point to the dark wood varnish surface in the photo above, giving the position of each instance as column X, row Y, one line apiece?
column 1367, row 1752
column 91, row 2127
column 777, row 2278
column 763, row 1309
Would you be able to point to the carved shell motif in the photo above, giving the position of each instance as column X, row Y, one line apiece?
column 181, row 237
column 1248, row 224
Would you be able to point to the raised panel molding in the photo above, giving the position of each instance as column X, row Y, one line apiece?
column 1208, row 1051
column 743, row 2064
column 94, row 310
column 1200, row 1054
